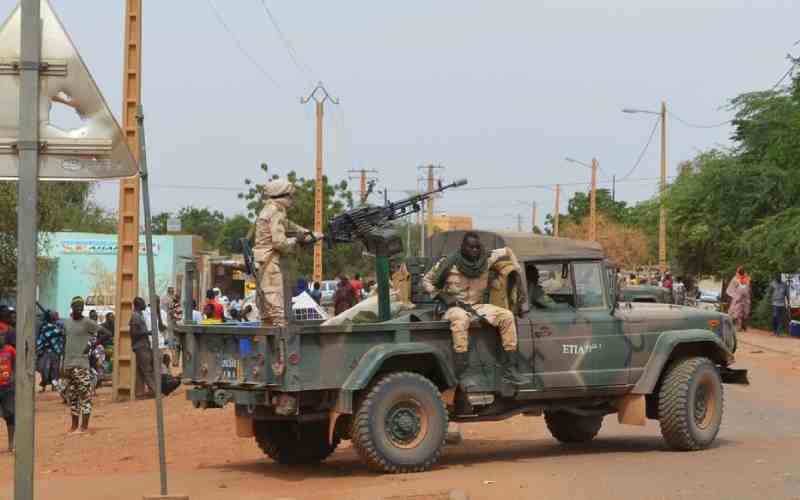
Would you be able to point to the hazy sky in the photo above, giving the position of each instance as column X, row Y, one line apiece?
column 498, row 92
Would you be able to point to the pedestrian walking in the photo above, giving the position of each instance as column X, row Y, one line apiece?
column 358, row 287
column 679, row 292
column 740, row 294
column 49, row 350
column 78, row 330
column 344, row 297
column 778, row 292
column 8, row 358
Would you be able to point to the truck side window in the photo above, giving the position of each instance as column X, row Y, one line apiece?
column 549, row 287
column 589, row 283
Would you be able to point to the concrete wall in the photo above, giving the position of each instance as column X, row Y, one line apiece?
column 86, row 264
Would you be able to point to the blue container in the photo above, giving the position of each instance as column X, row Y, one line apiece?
column 794, row 328
column 244, row 347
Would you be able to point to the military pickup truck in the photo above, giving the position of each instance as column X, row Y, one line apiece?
column 390, row 386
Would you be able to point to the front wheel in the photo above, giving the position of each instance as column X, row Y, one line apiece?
column 400, row 425
column 690, row 404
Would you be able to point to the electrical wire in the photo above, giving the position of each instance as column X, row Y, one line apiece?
column 241, row 46
column 642, row 153
column 694, row 125
column 301, row 65
column 788, row 72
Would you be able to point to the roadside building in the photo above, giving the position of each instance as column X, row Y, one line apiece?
column 452, row 222
column 85, row 264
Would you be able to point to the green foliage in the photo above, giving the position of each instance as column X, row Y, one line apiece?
column 738, row 207
column 235, row 227
column 63, row 206
column 202, row 222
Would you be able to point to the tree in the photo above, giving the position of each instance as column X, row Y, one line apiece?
column 159, row 222
column 233, row 229
column 202, row 222
column 625, row 245
column 61, row 206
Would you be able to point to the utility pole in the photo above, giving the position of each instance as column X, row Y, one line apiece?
column 429, row 202
column 519, row 223
column 319, row 95
column 593, row 207
column 614, row 188
column 662, row 213
column 558, row 208
column 28, row 147
column 363, row 178
column 127, row 288
column 533, row 218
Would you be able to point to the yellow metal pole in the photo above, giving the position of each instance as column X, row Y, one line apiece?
column 430, row 201
column 593, row 207
column 127, row 283
column 662, row 214
column 555, row 219
column 318, row 192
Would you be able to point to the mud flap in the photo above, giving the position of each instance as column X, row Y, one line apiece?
column 631, row 409
column 733, row 376
column 244, row 426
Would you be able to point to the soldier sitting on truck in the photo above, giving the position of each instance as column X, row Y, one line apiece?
column 461, row 282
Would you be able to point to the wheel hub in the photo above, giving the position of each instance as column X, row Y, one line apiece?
column 403, row 424
column 704, row 407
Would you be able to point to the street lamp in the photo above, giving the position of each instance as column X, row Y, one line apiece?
column 593, row 198
column 662, row 214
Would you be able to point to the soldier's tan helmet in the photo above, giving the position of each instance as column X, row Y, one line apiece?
column 278, row 188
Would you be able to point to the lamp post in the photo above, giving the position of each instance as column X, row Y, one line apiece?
column 662, row 214
column 593, row 197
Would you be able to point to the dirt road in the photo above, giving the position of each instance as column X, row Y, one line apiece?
column 755, row 455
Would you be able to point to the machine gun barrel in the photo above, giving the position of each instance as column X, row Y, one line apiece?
column 357, row 223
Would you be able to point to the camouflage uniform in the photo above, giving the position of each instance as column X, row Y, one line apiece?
column 473, row 291
column 271, row 242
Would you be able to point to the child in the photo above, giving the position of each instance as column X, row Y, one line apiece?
column 7, row 359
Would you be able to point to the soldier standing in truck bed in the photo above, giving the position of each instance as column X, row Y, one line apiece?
column 272, row 241
column 461, row 281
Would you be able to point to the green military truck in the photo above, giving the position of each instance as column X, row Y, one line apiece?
column 390, row 386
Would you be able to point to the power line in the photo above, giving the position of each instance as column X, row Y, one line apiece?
column 694, row 125
column 240, row 46
column 302, row 67
column 644, row 150
column 788, row 72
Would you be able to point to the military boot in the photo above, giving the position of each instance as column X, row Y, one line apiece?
column 512, row 373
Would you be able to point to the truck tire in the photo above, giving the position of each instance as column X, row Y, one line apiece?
column 690, row 404
column 400, row 425
column 571, row 428
column 292, row 443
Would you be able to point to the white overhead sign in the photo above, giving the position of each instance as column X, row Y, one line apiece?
column 95, row 150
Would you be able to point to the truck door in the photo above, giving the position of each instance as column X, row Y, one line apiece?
column 601, row 353
column 552, row 318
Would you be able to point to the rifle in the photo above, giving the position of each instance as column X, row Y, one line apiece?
column 369, row 223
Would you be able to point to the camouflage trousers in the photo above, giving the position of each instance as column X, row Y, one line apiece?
column 79, row 391
column 269, row 297
column 500, row 318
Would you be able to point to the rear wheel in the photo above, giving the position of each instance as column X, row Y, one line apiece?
column 291, row 443
column 400, row 425
column 571, row 428
column 690, row 404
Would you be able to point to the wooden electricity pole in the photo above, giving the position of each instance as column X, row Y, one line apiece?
column 319, row 95
column 593, row 206
column 662, row 213
column 429, row 201
column 558, row 203
column 127, row 283
column 363, row 193
column 533, row 218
